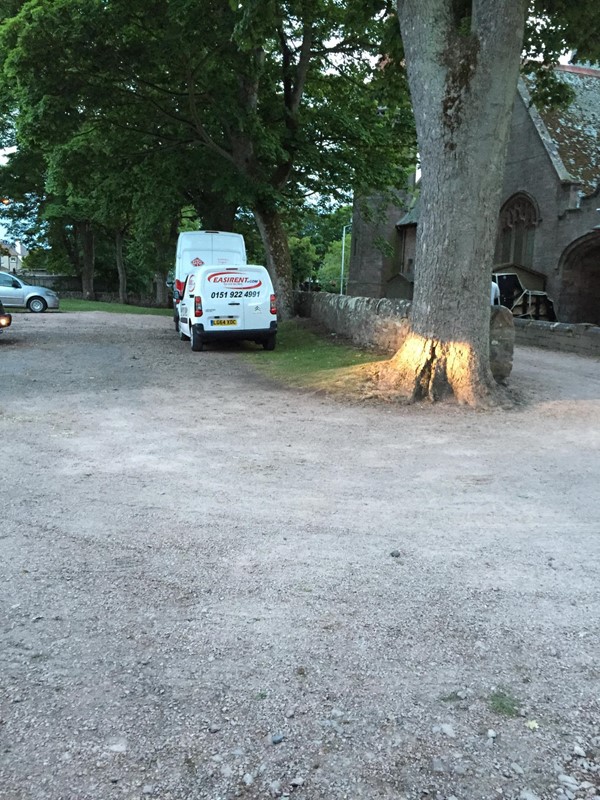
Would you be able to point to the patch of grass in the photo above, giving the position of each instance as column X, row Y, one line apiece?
column 304, row 358
column 453, row 697
column 262, row 695
column 503, row 702
column 69, row 304
column 190, row 764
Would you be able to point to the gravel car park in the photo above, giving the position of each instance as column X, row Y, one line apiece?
column 17, row 293
column 318, row 599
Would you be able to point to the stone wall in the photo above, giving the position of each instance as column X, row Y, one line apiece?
column 68, row 286
column 58, row 283
column 383, row 323
column 582, row 339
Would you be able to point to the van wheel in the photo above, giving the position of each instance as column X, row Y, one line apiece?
column 183, row 336
column 196, row 340
column 176, row 321
column 269, row 342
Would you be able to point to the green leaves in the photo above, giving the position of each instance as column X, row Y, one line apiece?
column 138, row 107
column 556, row 27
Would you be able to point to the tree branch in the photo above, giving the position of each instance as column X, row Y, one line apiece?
column 286, row 67
column 303, row 67
column 491, row 24
column 201, row 130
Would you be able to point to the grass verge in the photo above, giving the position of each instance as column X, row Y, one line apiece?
column 505, row 703
column 71, row 304
column 309, row 359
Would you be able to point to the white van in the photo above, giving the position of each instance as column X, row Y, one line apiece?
column 196, row 248
column 228, row 303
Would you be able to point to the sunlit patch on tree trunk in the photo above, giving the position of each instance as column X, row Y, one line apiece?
column 425, row 368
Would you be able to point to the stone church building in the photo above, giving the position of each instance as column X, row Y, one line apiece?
column 549, row 225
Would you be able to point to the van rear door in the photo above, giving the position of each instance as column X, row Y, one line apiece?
column 222, row 295
column 257, row 300
column 236, row 298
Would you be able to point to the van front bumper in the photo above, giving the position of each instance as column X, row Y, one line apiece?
column 253, row 335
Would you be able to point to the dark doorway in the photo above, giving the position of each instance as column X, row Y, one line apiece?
column 580, row 284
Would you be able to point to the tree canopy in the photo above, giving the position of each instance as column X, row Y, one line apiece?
column 257, row 105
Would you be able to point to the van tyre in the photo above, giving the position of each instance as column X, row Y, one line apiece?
column 196, row 340
column 269, row 342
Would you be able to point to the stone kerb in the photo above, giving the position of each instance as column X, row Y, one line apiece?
column 383, row 324
column 580, row 338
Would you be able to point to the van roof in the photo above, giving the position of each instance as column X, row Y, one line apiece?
column 203, row 233
column 230, row 267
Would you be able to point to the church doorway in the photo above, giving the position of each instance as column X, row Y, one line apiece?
column 580, row 281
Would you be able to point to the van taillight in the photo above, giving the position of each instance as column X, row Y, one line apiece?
column 178, row 291
column 198, row 306
column 273, row 304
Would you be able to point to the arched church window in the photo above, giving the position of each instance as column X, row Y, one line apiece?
column 518, row 221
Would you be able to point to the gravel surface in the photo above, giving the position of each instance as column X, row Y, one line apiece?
column 214, row 587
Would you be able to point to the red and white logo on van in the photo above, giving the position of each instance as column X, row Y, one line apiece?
column 234, row 280
column 197, row 262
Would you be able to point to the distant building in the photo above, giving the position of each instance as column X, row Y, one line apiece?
column 12, row 255
column 549, row 225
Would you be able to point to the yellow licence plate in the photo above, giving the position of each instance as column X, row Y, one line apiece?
column 223, row 322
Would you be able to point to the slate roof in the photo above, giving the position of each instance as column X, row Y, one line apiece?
column 9, row 247
column 575, row 131
column 571, row 136
column 412, row 215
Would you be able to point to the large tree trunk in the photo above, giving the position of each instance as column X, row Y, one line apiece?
column 463, row 76
column 216, row 214
column 86, row 235
column 71, row 245
column 165, row 249
column 119, row 241
column 161, row 293
column 279, row 263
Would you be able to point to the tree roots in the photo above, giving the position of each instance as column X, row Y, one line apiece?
column 434, row 370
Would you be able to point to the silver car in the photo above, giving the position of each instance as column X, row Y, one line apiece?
column 17, row 293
